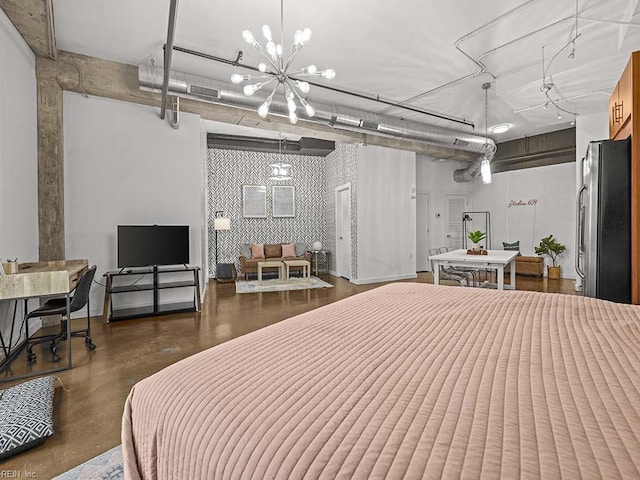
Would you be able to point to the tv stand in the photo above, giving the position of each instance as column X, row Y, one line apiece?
column 155, row 286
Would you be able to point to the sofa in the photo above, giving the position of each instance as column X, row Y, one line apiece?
column 272, row 251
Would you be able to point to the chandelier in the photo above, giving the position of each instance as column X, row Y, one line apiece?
column 280, row 171
column 276, row 69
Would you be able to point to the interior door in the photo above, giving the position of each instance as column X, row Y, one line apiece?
column 456, row 205
column 422, row 233
column 343, row 231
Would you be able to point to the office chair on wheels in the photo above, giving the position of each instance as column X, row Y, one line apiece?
column 58, row 306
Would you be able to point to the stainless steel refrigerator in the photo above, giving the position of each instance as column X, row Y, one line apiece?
column 603, row 253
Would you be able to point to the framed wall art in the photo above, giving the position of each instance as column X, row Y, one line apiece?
column 284, row 201
column 254, row 201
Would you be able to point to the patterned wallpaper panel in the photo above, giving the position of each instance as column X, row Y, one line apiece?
column 342, row 168
column 228, row 170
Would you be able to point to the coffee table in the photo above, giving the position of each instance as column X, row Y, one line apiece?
column 306, row 268
column 270, row 263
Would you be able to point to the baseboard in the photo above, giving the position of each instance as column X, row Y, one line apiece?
column 393, row 278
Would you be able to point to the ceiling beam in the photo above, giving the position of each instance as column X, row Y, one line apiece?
column 34, row 20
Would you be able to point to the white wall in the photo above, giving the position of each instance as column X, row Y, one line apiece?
column 436, row 179
column 123, row 165
column 554, row 212
column 386, row 215
column 18, row 154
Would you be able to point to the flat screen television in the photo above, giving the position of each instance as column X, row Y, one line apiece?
column 148, row 245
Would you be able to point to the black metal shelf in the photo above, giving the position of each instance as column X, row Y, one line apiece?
column 148, row 311
column 156, row 308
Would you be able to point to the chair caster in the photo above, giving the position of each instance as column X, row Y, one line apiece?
column 89, row 343
column 32, row 357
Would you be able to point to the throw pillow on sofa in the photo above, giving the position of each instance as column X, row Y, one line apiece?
column 257, row 250
column 245, row 250
column 288, row 250
column 515, row 246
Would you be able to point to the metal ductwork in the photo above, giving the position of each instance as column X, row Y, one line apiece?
column 200, row 88
column 463, row 175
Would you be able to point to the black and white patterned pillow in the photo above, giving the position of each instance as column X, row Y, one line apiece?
column 26, row 412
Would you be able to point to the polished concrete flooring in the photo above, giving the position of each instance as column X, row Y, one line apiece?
column 88, row 409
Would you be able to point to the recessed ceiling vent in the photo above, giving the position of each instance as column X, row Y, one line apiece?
column 366, row 124
column 204, row 92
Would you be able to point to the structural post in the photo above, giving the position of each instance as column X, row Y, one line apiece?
column 50, row 171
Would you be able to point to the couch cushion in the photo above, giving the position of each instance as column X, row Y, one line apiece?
column 26, row 412
column 257, row 250
column 515, row 246
column 288, row 250
column 272, row 250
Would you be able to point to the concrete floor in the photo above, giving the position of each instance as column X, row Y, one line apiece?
column 88, row 410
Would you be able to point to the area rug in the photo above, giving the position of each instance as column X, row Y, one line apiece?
column 275, row 285
column 107, row 466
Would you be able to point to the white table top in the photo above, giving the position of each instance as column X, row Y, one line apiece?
column 493, row 256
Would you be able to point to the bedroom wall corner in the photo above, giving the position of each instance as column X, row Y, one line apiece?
column 386, row 214
column 18, row 159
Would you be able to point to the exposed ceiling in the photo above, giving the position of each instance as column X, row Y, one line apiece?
column 425, row 52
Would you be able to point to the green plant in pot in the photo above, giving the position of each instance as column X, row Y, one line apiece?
column 476, row 236
column 550, row 246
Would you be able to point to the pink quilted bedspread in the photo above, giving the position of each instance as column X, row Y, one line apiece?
column 403, row 381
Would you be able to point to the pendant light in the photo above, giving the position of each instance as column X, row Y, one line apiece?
column 485, row 164
column 280, row 171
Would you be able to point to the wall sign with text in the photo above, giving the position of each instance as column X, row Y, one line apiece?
column 523, row 203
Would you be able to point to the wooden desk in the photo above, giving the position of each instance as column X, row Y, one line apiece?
column 39, row 280
column 495, row 259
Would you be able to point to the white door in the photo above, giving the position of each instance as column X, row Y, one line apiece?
column 422, row 233
column 343, row 231
column 456, row 206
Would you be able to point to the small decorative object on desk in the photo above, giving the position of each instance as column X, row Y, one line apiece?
column 475, row 237
column 480, row 251
column 11, row 266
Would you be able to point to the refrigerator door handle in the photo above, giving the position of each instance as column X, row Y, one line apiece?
column 580, row 230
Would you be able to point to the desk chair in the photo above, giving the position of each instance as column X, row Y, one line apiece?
column 58, row 306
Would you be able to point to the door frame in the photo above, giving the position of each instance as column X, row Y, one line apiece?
column 428, row 195
column 340, row 188
column 446, row 232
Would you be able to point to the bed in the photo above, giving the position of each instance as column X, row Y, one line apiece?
column 403, row 381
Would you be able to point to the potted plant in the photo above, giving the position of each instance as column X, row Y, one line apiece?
column 476, row 237
column 550, row 246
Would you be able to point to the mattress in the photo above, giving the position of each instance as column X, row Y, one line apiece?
column 403, row 381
